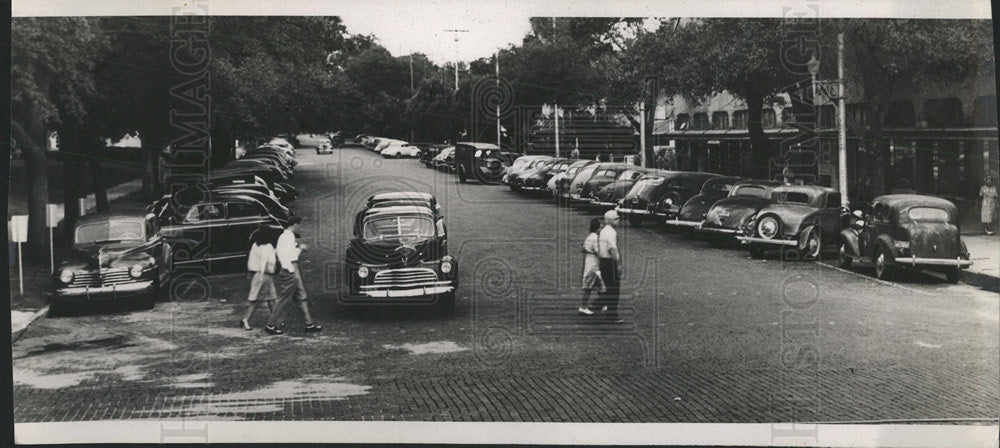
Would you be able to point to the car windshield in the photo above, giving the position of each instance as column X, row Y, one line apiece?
column 928, row 214
column 108, row 231
column 606, row 173
column 751, row 190
column 585, row 173
column 399, row 227
column 794, row 198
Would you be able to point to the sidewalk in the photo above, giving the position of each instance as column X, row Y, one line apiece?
column 984, row 250
column 33, row 304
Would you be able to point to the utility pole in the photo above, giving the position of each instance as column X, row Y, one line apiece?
column 498, row 98
column 556, row 112
column 411, row 91
column 842, row 123
column 642, row 133
column 456, row 59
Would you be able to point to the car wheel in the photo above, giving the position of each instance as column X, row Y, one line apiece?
column 843, row 260
column 636, row 220
column 768, row 227
column 813, row 247
column 953, row 275
column 883, row 266
column 756, row 251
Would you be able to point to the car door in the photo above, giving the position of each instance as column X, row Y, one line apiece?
column 830, row 217
column 244, row 218
column 195, row 239
column 876, row 219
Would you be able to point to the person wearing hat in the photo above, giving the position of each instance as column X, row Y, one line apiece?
column 610, row 264
column 290, row 279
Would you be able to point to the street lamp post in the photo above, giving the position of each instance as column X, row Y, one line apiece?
column 823, row 88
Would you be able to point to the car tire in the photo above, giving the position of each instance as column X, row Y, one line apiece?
column 883, row 264
column 953, row 275
column 756, row 251
column 813, row 247
column 768, row 218
column 844, row 261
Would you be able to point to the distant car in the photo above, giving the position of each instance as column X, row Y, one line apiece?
column 482, row 162
column 324, row 147
column 216, row 229
column 119, row 256
column 604, row 175
column 384, row 143
column 285, row 145
column 399, row 255
column 515, row 178
column 559, row 183
column 427, row 154
column 441, row 161
column 724, row 218
column 906, row 231
column 538, row 180
column 400, row 149
column 607, row 197
column 336, row 139
column 519, row 164
column 692, row 213
column 804, row 217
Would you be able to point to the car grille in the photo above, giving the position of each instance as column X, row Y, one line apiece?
column 106, row 277
column 404, row 277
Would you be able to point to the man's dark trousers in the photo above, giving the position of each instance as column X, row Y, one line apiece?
column 609, row 273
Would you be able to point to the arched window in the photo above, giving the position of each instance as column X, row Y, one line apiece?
column 682, row 123
column 700, row 121
column 740, row 119
column 767, row 119
column 720, row 120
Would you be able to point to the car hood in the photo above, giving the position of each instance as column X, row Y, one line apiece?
column 94, row 256
column 393, row 254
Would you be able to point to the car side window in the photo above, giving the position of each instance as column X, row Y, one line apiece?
column 244, row 210
column 880, row 213
column 203, row 212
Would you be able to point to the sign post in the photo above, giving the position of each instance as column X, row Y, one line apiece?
column 19, row 234
column 51, row 219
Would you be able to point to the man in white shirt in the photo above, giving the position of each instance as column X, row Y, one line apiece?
column 289, row 279
column 610, row 263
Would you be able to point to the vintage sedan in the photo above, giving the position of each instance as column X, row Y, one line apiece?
column 607, row 197
column 906, row 231
column 427, row 154
column 483, row 162
column 216, row 229
column 445, row 159
column 535, row 179
column 114, row 256
column 559, row 184
column 400, row 149
column 803, row 217
column 399, row 255
column 605, row 174
column 516, row 179
column 519, row 165
column 692, row 213
column 727, row 216
column 660, row 194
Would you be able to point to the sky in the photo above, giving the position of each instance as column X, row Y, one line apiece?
column 403, row 29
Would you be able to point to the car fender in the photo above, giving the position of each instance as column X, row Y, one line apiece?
column 850, row 239
column 885, row 242
column 804, row 232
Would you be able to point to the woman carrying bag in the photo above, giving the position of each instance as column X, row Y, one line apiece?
column 262, row 264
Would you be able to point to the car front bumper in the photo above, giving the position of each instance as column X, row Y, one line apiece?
column 915, row 261
column 715, row 230
column 756, row 240
column 106, row 292
column 686, row 224
column 632, row 211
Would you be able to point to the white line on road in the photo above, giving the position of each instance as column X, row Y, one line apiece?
column 884, row 282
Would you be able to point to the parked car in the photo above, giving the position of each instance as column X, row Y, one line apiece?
column 604, row 175
column 538, row 180
column 484, row 162
column 384, row 143
column 728, row 215
column 607, row 197
column 324, row 148
column 285, row 145
column 216, row 229
column 692, row 213
column 572, row 192
column 519, row 164
column 514, row 178
column 559, row 183
column 336, row 139
column 114, row 256
column 906, row 231
column 399, row 255
column 806, row 217
column 427, row 154
column 400, row 149
column 396, row 199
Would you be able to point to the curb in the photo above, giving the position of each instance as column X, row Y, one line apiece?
column 17, row 332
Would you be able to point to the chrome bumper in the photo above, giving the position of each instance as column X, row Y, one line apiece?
column 716, row 230
column 679, row 223
column 381, row 292
column 112, row 290
column 632, row 211
column 753, row 239
column 914, row 261
column 597, row 203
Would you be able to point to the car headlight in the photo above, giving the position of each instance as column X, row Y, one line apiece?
column 135, row 271
column 66, row 276
column 446, row 266
column 363, row 272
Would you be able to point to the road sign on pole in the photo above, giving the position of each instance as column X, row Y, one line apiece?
column 19, row 234
column 51, row 219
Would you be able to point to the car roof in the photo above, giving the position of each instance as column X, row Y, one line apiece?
column 903, row 201
column 108, row 216
column 808, row 189
column 400, row 210
column 479, row 145
column 401, row 195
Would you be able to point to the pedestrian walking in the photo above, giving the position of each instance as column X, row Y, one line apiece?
column 611, row 266
column 591, row 268
column 290, row 279
column 989, row 194
column 262, row 264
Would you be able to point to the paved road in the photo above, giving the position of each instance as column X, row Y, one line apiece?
column 711, row 335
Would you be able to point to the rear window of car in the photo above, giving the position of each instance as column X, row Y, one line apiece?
column 629, row 174
column 927, row 214
column 794, row 198
column 751, row 190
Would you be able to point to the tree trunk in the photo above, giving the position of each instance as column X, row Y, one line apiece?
column 759, row 151
column 36, row 164
column 72, row 166
column 149, row 158
column 100, row 188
